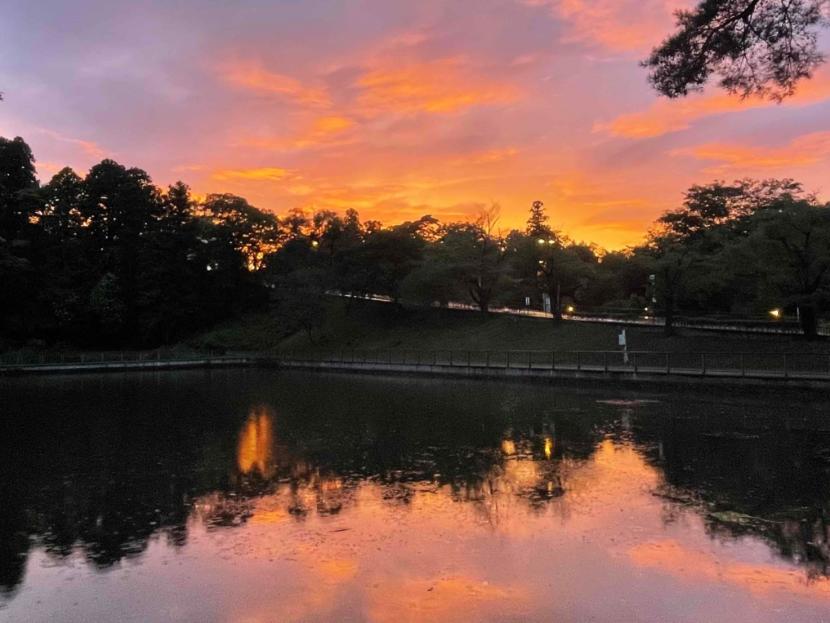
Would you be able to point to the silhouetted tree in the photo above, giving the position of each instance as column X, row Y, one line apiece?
column 17, row 175
column 756, row 47
column 537, row 222
column 792, row 241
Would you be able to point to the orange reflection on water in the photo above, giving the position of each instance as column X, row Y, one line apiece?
column 256, row 443
column 672, row 557
column 535, row 538
column 462, row 598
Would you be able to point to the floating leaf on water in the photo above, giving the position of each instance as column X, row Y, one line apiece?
column 730, row 435
column 737, row 519
column 627, row 403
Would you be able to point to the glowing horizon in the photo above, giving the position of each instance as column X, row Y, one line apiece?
column 396, row 109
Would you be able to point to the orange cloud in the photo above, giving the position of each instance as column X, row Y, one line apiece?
column 442, row 86
column 322, row 131
column 488, row 156
column 262, row 174
column 253, row 76
column 665, row 116
column 803, row 151
column 332, row 125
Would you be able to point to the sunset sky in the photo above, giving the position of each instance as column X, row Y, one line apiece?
column 396, row 108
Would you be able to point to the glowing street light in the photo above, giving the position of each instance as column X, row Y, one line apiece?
column 570, row 309
column 775, row 313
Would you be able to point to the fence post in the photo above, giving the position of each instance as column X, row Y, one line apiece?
column 508, row 360
column 530, row 360
column 634, row 355
column 553, row 361
column 703, row 364
column 786, row 366
column 668, row 362
column 605, row 360
column 468, row 359
column 743, row 365
column 487, row 359
column 578, row 361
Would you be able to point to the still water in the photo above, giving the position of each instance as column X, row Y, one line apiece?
column 256, row 496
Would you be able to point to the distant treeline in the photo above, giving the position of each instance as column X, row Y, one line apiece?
column 111, row 260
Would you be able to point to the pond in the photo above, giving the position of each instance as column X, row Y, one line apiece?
column 254, row 496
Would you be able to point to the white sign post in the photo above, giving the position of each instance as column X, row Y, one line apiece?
column 621, row 340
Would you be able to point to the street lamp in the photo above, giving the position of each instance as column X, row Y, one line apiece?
column 775, row 313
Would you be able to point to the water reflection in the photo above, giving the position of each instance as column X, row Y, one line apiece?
column 375, row 500
column 256, row 443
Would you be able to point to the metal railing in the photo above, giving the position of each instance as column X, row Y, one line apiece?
column 812, row 366
column 737, row 365
column 28, row 359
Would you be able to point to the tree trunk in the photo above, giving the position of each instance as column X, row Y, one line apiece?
column 809, row 321
column 556, row 303
column 668, row 327
column 481, row 297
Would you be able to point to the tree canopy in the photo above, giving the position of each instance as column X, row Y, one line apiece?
column 754, row 47
column 110, row 259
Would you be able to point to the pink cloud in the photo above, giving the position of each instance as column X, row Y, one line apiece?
column 665, row 116
column 803, row 151
column 618, row 25
column 253, row 76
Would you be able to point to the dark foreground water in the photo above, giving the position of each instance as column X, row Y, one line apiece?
column 253, row 496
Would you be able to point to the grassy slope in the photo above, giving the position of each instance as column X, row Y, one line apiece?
column 371, row 326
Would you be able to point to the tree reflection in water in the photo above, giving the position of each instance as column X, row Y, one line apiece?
column 112, row 480
column 750, row 475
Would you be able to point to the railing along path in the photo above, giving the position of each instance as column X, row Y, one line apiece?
column 755, row 365
column 742, row 364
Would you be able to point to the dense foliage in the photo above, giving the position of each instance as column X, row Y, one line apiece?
column 111, row 260
column 756, row 47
